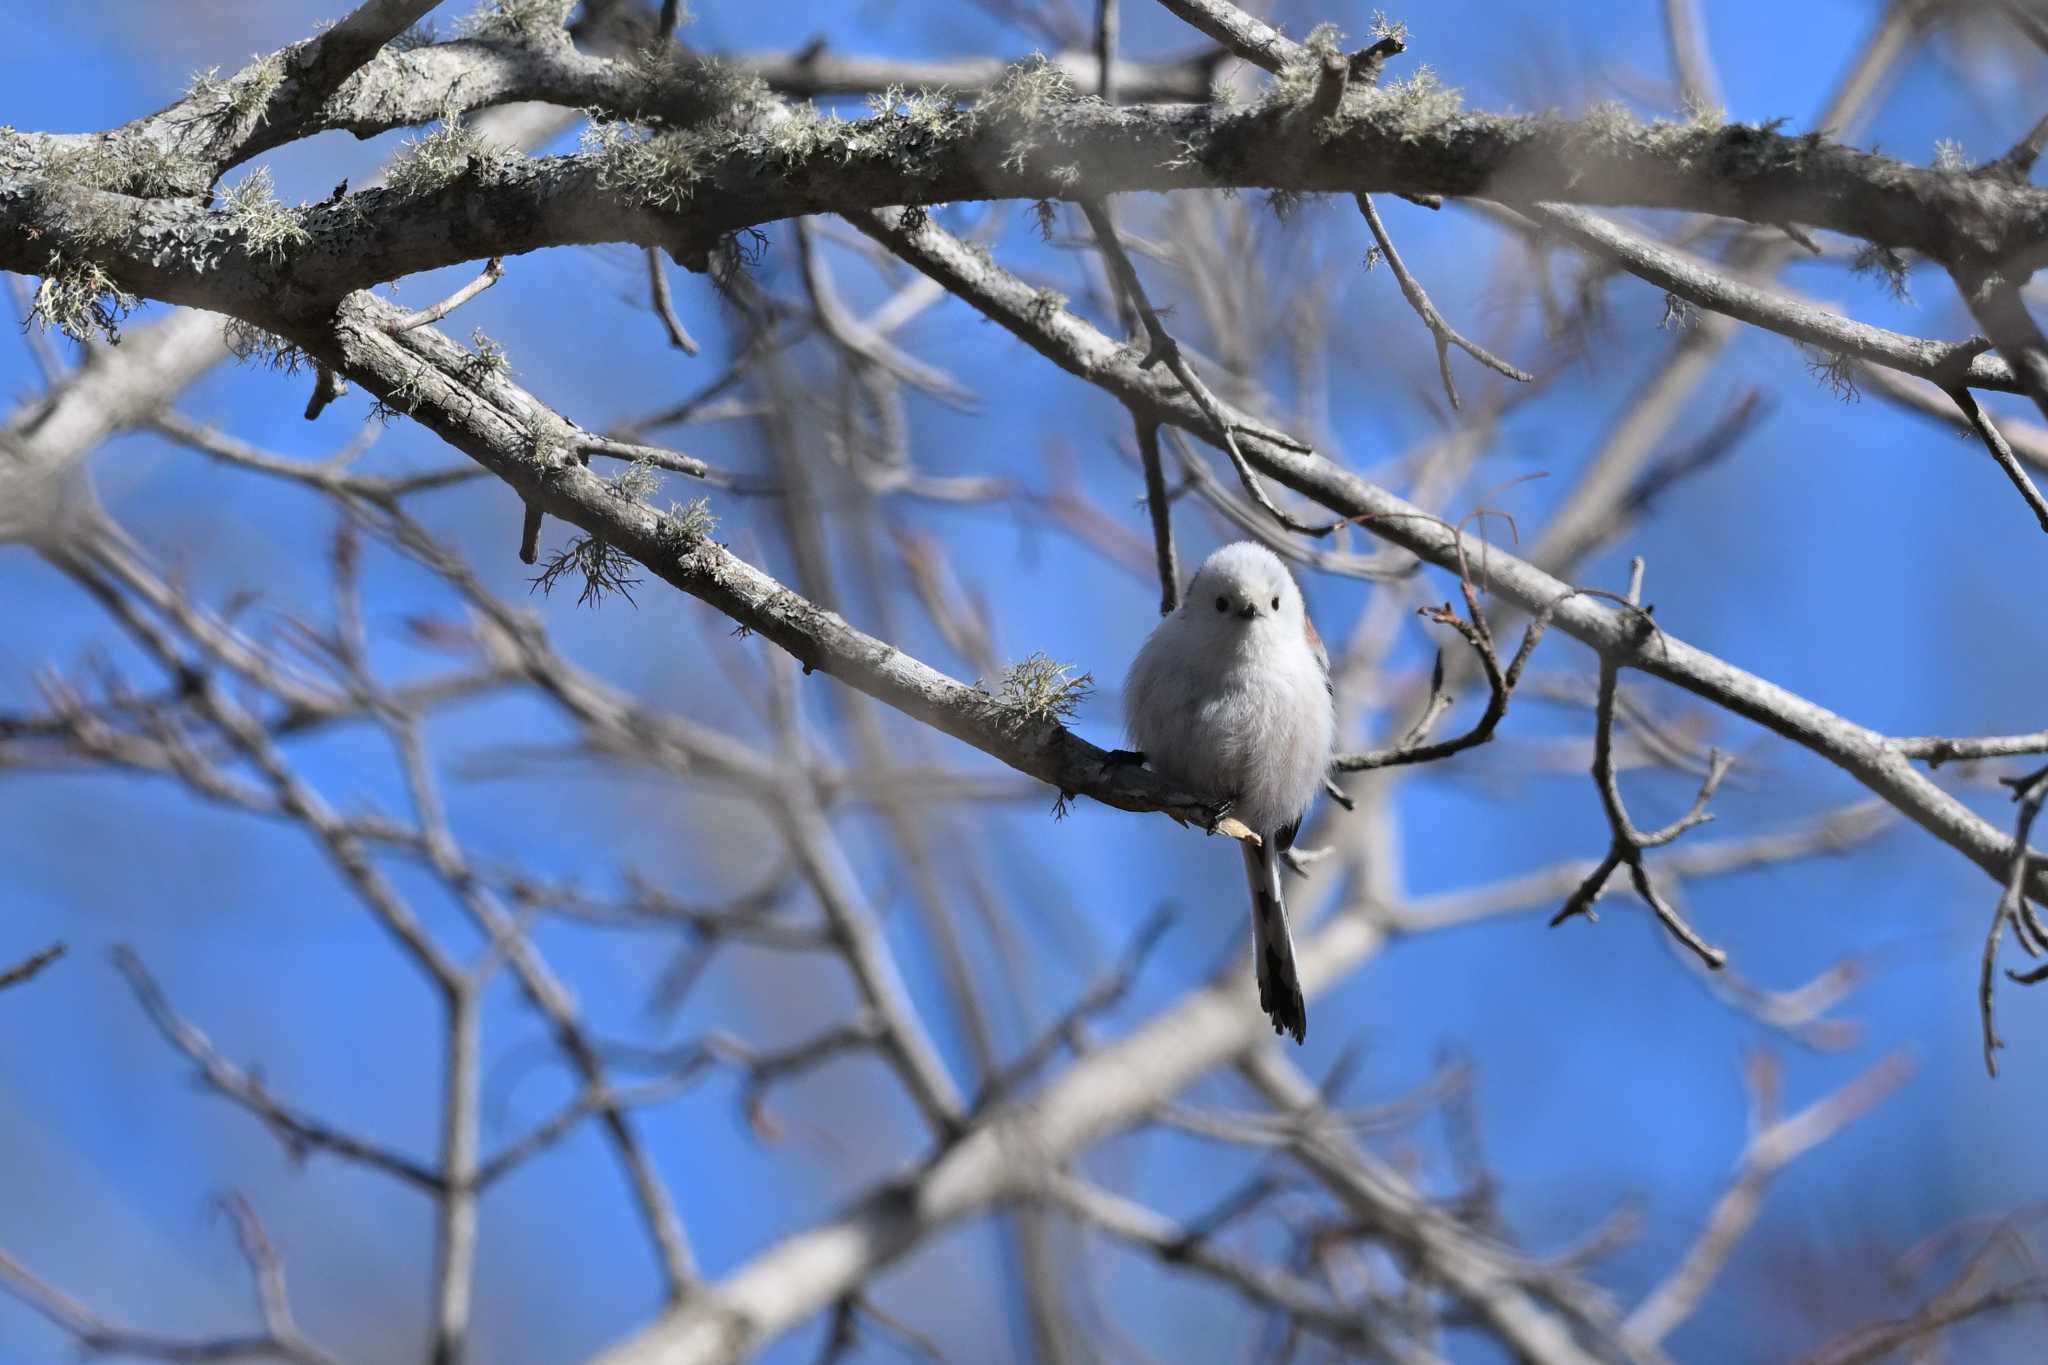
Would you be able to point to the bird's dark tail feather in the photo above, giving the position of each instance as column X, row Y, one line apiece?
column 1272, row 946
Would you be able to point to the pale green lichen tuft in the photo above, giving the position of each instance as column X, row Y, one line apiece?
column 930, row 111
column 1044, row 303
column 1040, row 689
column 1611, row 127
column 691, row 89
column 663, row 166
column 1950, row 156
column 80, row 300
column 425, row 164
column 515, row 19
column 1422, row 98
column 127, row 163
column 1031, row 99
column 405, row 397
column 1678, row 313
column 1030, row 89
column 547, row 439
column 635, row 483
column 268, row 228
column 486, row 360
column 1610, row 123
column 1702, row 116
column 661, row 170
column 237, row 105
column 1296, row 81
column 908, row 127
column 685, row 522
column 805, row 132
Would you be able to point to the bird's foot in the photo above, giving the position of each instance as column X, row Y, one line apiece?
column 1223, row 811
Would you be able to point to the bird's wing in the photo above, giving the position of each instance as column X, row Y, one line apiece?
column 1315, row 647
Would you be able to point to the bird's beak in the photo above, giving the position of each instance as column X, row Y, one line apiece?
column 1248, row 611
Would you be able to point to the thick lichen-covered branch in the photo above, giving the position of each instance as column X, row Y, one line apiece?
column 687, row 188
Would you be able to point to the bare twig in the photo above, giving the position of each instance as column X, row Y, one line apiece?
column 1162, row 346
column 2013, row 907
column 266, row 1273
column 494, row 270
column 1699, row 284
column 1299, row 1300
column 1414, row 747
column 1995, row 442
column 1996, row 303
column 1936, row 750
column 1629, row 843
column 1106, row 24
column 1252, row 39
column 1445, row 335
column 2018, row 162
column 1161, row 510
column 95, row 1334
column 664, row 305
column 299, row 1132
column 29, row 966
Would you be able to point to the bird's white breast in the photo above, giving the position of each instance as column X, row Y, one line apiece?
column 1253, row 724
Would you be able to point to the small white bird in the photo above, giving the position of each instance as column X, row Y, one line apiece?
column 1230, row 697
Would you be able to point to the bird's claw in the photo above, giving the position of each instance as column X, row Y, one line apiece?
column 1222, row 812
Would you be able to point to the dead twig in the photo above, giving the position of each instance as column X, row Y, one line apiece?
column 2014, row 908
column 1164, row 348
column 29, row 966
column 494, row 270
column 1630, row 843
column 1445, row 335
column 2001, row 451
column 664, row 304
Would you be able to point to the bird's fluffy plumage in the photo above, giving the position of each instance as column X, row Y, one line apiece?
column 1230, row 698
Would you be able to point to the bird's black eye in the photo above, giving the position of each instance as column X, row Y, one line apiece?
column 1223, row 604
column 1276, row 604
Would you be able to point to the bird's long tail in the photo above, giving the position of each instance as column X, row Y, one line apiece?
column 1272, row 946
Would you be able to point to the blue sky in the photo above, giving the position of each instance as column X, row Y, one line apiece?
column 1861, row 557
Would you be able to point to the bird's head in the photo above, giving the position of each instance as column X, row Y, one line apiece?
column 1244, row 588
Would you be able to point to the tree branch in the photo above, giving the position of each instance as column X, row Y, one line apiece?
column 1075, row 346
column 716, row 184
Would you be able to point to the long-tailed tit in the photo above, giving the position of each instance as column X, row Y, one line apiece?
column 1230, row 697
